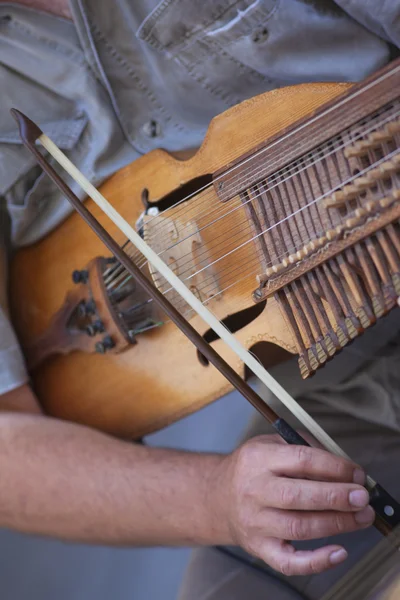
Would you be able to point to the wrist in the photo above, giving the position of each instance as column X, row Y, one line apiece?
column 216, row 504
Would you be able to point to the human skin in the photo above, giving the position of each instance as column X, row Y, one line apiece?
column 55, row 7
column 68, row 481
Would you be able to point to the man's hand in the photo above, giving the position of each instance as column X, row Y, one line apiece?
column 268, row 492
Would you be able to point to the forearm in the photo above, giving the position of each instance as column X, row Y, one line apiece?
column 68, row 481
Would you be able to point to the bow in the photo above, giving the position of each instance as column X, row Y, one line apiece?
column 386, row 508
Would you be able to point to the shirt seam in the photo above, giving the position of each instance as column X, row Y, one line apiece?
column 153, row 17
column 142, row 86
column 70, row 54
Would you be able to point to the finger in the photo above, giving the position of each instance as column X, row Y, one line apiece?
column 303, row 494
column 298, row 525
column 282, row 557
column 312, row 463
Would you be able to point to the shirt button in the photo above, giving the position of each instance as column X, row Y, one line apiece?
column 152, row 129
column 260, row 35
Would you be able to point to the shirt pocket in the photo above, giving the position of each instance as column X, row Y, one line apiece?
column 215, row 42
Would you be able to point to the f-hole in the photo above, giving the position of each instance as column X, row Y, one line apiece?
column 234, row 323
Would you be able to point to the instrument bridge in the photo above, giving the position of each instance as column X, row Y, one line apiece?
column 180, row 245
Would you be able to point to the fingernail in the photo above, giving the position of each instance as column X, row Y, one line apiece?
column 359, row 498
column 365, row 516
column 359, row 476
column 338, row 556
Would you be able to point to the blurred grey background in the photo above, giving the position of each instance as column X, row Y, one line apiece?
column 33, row 568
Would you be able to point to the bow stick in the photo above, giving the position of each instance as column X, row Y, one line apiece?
column 386, row 508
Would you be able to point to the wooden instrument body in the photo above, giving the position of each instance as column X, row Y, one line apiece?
column 160, row 379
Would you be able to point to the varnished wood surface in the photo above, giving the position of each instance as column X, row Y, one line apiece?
column 160, row 379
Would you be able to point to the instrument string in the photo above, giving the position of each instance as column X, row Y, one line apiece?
column 244, row 176
column 211, row 290
column 313, row 202
column 202, row 200
column 293, row 172
column 332, row 146
column 290, row 172
column 243, row 266
column 213, row 246
column 307, row 124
